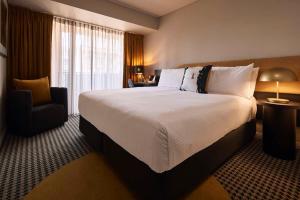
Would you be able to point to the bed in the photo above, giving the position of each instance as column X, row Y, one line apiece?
column 162, row 141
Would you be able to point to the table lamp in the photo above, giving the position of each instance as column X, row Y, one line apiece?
column 277, row 75
column 139, row 71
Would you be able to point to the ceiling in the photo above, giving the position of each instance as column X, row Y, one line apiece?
column 63, row 10
column 156, row 8
column 138, row 16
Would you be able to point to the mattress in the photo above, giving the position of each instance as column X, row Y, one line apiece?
column 163, row 126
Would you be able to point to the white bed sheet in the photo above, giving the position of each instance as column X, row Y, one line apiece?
column 162, row 126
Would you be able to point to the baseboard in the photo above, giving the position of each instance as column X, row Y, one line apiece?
column 2, row 134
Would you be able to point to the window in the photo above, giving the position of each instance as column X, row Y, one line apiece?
column 85, row 57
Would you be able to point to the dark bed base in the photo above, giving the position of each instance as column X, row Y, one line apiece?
column 175, row 183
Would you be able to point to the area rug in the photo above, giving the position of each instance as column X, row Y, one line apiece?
column 249, row 174
column 90, row 177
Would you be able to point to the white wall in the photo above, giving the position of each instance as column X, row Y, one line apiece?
column 218, row 30
column 2, row 96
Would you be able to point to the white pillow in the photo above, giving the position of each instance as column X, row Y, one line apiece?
column 171, row 78
column 190, row 79
column 230, row 80
column 254, row 76
column 253, row 81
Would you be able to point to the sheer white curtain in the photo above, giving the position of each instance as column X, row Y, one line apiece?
column 85, row 57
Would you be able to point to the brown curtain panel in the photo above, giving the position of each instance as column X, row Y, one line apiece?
column 133, row 55
column 29, row 44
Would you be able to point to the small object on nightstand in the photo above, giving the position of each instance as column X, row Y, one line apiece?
column 278, row 75
column 151, row 79
column 279, row 129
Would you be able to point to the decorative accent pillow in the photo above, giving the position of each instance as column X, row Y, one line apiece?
column 39, row 87
column 230, row 80
column 202, row 78
column 171, row 78
column 190, row 79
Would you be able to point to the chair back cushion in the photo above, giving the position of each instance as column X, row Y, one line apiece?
column 39, row 87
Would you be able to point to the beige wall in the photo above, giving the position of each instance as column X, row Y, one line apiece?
column 217, row 30
column 2, row 96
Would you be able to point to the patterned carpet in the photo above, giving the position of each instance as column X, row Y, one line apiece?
column 250, row 174
column 26, row 161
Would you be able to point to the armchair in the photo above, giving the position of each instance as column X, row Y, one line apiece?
column 27, row 120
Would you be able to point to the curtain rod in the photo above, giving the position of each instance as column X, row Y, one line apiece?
column 86, row 23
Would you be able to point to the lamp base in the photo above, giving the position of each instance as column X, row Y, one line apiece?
column 275, row 100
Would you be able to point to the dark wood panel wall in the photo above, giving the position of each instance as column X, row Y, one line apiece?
column 289, row 62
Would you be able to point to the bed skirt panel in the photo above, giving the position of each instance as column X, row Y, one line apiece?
column 175, row 183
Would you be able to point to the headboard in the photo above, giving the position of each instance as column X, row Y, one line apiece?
column 291, row 62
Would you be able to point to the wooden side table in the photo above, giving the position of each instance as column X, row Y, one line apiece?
column 144, row 84
column 279, row 129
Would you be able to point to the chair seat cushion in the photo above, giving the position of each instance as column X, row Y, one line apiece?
column 47, row 116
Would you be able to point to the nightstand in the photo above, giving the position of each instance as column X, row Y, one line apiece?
column 279, row 129
column 144, row 84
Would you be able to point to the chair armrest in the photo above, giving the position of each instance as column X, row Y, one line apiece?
column 19, row 111
column 60, row 96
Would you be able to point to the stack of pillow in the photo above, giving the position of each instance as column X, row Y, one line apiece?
column 238, row 80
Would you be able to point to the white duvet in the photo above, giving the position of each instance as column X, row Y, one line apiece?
column 161, row 126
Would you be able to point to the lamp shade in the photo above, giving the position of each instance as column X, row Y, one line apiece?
column 278, row 74
column 139, row 69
